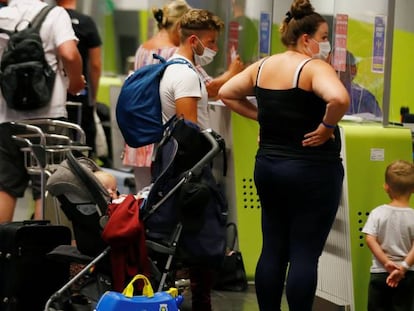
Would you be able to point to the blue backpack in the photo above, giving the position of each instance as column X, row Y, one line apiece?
column 138, row 110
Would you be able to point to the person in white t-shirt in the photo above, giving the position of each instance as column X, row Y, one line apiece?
column 60, row 46
column 390, row 237
column 182, row 90
column 165, row 43
column 183, row 93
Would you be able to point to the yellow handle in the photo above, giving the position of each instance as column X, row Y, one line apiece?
column 146, row 291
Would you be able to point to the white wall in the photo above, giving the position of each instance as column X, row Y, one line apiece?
column 404, row 10
column 131, row 4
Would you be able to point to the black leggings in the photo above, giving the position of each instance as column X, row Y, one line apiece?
column 299, row 201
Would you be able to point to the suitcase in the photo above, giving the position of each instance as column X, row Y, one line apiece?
column 27, row 276
column 149, row 301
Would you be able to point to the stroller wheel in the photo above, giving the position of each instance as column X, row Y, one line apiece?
column 182, row 285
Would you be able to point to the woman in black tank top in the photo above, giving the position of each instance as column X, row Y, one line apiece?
column 298, row 170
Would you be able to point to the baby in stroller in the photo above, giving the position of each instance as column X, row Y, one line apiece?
column 184, row 214
column 109, row 182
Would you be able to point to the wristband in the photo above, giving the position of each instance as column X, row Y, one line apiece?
column 328, row 125
column 405, row 265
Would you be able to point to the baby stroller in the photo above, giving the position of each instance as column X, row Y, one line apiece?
column 182, row 179
column 185, row 212
column 84, row 201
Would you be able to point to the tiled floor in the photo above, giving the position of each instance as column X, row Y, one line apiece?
column 231, row 301
column 222, row 300
column 228, row 301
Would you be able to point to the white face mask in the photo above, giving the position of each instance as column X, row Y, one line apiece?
column 207, row 56
column 324, row 50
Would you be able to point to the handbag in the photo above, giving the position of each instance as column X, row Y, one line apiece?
column 231, row 275
column 148, row 301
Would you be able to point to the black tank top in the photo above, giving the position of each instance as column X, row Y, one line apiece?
column 285, row 116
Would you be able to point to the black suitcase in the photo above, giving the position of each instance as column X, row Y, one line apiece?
column 27, row 276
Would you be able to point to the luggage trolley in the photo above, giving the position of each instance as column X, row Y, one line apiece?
column 45, row 143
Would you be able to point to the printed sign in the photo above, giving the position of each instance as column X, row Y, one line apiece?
column 265, row 30
column 233, row 44
column 377, row 154
column 378, row 50
column 341, row 33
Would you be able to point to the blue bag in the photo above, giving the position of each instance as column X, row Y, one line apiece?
column 149, row 301
column 138, row 110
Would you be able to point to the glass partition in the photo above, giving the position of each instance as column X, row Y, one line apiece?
column 125, row 24
column 362, row 46
column 360, row 31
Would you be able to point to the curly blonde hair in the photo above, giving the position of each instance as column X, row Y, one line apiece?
column 198, row 20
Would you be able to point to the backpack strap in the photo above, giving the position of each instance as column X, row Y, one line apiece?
column 40, row 17
column 8, row 32
column 159, row 57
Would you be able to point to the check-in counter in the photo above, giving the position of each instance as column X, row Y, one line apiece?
column 367, row 148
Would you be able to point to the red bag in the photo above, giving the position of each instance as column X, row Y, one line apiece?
column 124, row 232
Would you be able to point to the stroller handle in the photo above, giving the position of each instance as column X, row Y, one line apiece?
column 213, row 138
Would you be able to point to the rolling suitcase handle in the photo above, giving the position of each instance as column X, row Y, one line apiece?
column 36, row 222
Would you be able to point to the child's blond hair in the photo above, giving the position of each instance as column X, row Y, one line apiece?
column 399, row 176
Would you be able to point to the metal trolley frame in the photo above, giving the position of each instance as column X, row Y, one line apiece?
column 45, row 143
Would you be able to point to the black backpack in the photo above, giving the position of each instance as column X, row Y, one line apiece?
column 26, row 79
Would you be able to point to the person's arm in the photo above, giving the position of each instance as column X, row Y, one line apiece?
column 394, row 278
column 410, row 257
column 398, row 274
column 72, row 64
column 95, row 67
column 377, row 251
column 326, row 84
column 234, row 92
column 214, row 85
column 186, row 107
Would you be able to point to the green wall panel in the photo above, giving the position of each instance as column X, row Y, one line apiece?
column 360, row 42
column 109, row 51
column 402, row 73
column 365, row 179
column 245, row 134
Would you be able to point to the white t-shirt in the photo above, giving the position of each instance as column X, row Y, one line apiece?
column 394, row 229
column 178, row 81
column 56, row 29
